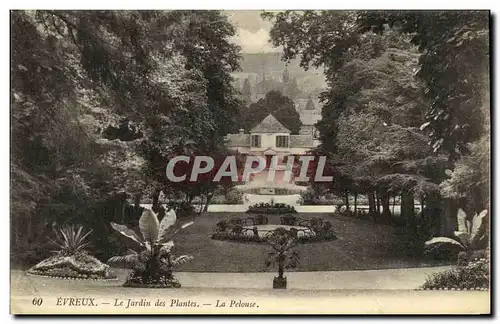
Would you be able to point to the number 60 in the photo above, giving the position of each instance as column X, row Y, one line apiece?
column 37, row 301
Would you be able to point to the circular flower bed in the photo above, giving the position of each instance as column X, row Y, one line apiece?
column 74, row 266
column 250, row 230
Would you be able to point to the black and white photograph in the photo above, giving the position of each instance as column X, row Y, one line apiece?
column 250, row 162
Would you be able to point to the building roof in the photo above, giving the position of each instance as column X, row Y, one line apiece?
column 270, row 125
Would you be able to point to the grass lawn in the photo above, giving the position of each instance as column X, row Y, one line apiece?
column 361, row 245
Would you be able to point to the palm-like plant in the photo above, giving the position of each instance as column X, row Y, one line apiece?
column 471, row 235
column 154, row 264
column 70, row 239
column 282, row 242
column 71, row 260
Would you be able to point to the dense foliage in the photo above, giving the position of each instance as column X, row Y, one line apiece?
column 474, row 275
column 271, row 208
column 100, row 101
column 407, row 98
column 277, row 104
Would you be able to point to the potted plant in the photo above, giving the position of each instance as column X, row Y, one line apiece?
column 282, row 255
column 153, row 265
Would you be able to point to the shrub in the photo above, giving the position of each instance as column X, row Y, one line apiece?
column 222, row 226
column 307, row 196
column 261, row 220
column 471, row 276
column 271, row 208
column 288, row 220
column 316, row 224
column 237, row 238
column 234, row 197
column 255, row 231
column 237, row 229
column 182, row 209
column 471, row 235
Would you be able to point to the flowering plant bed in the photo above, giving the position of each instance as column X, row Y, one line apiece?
column 267, row 208
column 234, row 229
column 473, row 276
column 76, row 266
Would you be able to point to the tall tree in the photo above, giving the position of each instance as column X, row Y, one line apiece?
column 246, row 91
column 281, row 107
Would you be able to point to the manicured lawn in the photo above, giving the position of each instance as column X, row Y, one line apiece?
column 361, row 245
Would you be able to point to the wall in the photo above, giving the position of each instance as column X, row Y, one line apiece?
column 268, row 140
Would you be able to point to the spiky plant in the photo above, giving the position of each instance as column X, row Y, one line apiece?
column 153, row 264
column 471, row 235
column 70, row 239
column 71, row 260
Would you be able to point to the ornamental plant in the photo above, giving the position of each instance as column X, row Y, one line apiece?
column 153, row 262
column 471, row 235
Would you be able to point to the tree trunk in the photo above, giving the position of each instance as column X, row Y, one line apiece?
column 209, row 199
column 346, row 197
column 371, row 203
column 422, row 215
column 137, row 200
column 280, row 267
column 355, row 203
column 386, row 205
column 393, row 204
column 156, row 200
column 122, row 210
column 448, row 220
column 372, row 208
column 408, row 208
column 377, row 197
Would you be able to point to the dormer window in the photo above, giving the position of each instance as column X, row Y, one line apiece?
column 282, row 141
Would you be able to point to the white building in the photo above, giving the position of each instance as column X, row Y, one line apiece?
column 270, row 138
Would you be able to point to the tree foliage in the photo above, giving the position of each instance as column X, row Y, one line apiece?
column 275, row 103
column 405, row 94
column 101, row 98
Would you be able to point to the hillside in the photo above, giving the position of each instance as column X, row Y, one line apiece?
column 257, row 65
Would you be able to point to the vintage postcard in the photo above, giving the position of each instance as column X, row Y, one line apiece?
column 250, row 162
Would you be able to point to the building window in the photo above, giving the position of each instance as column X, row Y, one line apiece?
column 282, row 141
column 255, row 140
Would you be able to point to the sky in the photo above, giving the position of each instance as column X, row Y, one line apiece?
column 253, row 31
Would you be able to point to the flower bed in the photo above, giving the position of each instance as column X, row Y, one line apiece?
column 76, row 266
column 267, row 208
column 246, row 230
column 473, row 276
column 243, row 238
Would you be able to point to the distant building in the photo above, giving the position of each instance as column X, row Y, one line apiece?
column 270, row 138
column 303, row 105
